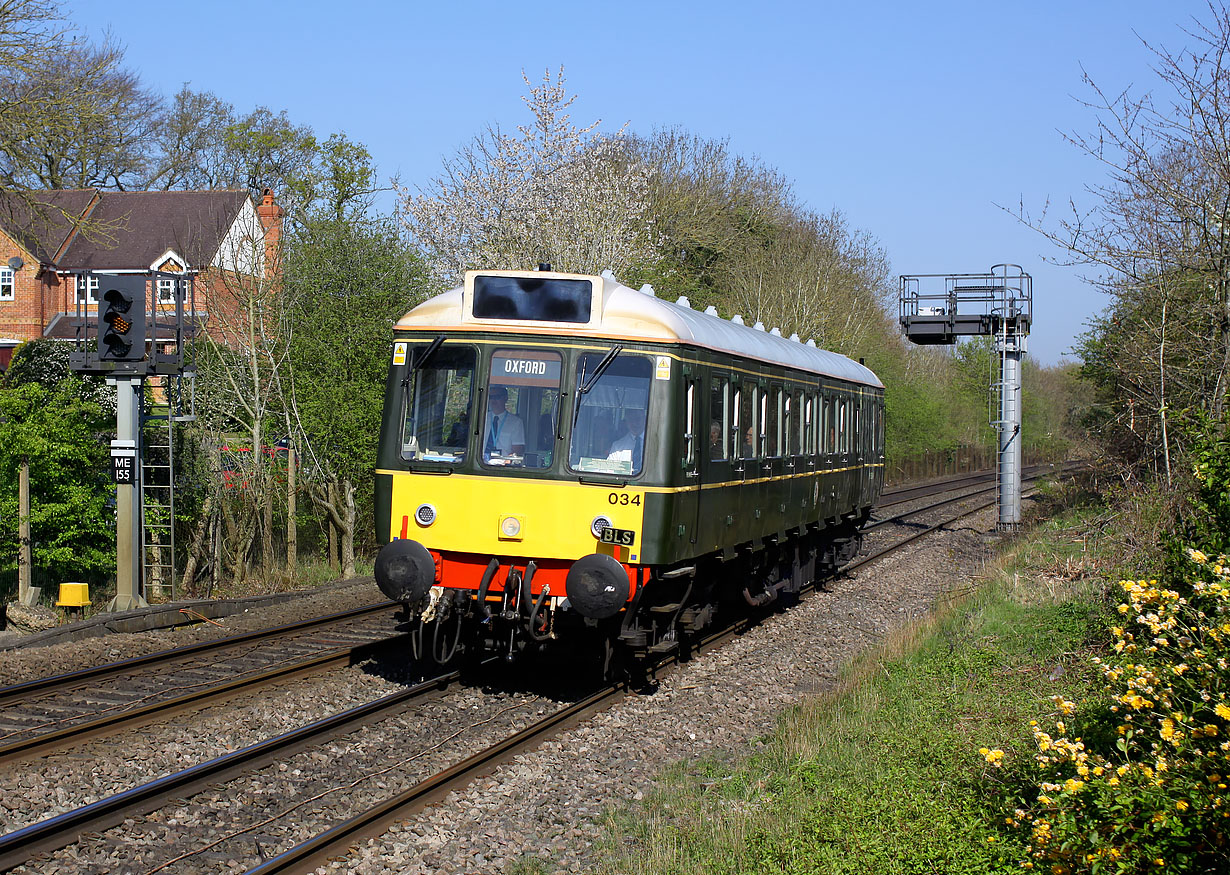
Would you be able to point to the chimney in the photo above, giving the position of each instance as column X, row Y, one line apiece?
column 271, row 220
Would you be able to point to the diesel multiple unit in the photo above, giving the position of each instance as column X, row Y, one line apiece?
column 565, row 457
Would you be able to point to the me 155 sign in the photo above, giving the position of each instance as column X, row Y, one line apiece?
column 124, row 463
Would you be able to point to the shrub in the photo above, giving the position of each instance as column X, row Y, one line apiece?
column 1136, row 781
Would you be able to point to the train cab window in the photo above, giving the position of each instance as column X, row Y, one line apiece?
column 610, row 414
column 519, row 424
column 437, row 404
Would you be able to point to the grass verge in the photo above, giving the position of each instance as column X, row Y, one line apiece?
column 883, row 775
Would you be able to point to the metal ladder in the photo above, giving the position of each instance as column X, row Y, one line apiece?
column 168, row 399
column 158, row 491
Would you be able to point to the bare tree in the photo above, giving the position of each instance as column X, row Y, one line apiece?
column 1161, row 221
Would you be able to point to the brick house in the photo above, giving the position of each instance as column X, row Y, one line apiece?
column 224, row 236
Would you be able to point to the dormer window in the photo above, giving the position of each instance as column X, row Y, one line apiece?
column 6, row 283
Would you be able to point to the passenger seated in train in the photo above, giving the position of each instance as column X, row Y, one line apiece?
column 716, row 450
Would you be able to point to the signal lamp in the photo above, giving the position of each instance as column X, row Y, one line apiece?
column 121, row 320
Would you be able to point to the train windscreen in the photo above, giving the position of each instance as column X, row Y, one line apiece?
column 537, row 299
column 609, row 436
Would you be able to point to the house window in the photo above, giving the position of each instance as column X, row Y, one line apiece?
column 6, row 284
column 87, row 290
column 166, row 290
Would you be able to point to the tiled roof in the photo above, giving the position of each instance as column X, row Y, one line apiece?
column 128, row 230
column 42, row 229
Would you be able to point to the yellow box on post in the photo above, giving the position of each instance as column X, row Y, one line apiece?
column 74, row 595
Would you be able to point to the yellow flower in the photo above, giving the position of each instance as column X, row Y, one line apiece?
column 1181, row 805
column 1222, row 711
column 1197, row 556
column 1168, row 729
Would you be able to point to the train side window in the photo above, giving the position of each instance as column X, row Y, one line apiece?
column 436, row 427
column 747, row 421
column 809, row 425
column 789, row 439
column 830, row 424
column 843, row 426
column 856, row 426
column 800, row 432
column 691, row 417
column 719, row 420
column 772, row 423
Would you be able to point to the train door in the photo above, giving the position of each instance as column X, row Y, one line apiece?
column 721, row 496
column 868, row 441
column 747, row 465
column 777, row 486
column 688, row 499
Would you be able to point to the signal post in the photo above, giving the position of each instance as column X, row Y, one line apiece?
column 130, row 343
column 939, row 308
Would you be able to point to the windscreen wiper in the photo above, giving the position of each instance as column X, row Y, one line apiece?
column 587, row 383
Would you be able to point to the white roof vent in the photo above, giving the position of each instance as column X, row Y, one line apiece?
column 609, row 275
column 759, row 326
column 682, row 301
column 711, row 310
column 776, row 332
column 811, row 343
column 647, row 289
column 737, row 319
column 795, row 337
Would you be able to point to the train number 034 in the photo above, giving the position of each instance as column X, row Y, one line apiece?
column 623, row 498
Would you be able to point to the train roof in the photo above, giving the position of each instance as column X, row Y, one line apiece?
column 624, row 313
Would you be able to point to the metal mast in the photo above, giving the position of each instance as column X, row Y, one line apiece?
column 939, row 308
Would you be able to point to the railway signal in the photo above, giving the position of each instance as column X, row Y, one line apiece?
column 121, row 320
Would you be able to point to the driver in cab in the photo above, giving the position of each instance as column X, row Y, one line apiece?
column 504, row 432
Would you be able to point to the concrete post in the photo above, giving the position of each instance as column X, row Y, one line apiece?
column 128, row 497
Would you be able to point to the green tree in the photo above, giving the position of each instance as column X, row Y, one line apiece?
column 72, row 528
column 347, row 283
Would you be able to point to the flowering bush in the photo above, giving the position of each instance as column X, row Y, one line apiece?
column 1137, row 781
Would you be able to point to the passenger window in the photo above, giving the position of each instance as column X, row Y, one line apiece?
column 747, row 421
column 790, row 439
column 773, row 423
column 809, row 425
column 719, row 420
column 690, row 419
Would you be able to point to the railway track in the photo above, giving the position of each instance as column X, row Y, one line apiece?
column 47, row 836
column 58, row 712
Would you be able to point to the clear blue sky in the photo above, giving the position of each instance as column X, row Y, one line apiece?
column 914, row 119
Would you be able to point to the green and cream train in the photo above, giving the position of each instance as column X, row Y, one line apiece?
column 565, row 457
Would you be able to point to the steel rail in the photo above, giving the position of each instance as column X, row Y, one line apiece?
column 57, row 832
column 41, row 745
column 73, row 679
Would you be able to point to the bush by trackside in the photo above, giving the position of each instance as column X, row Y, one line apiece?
column 1136, row 781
